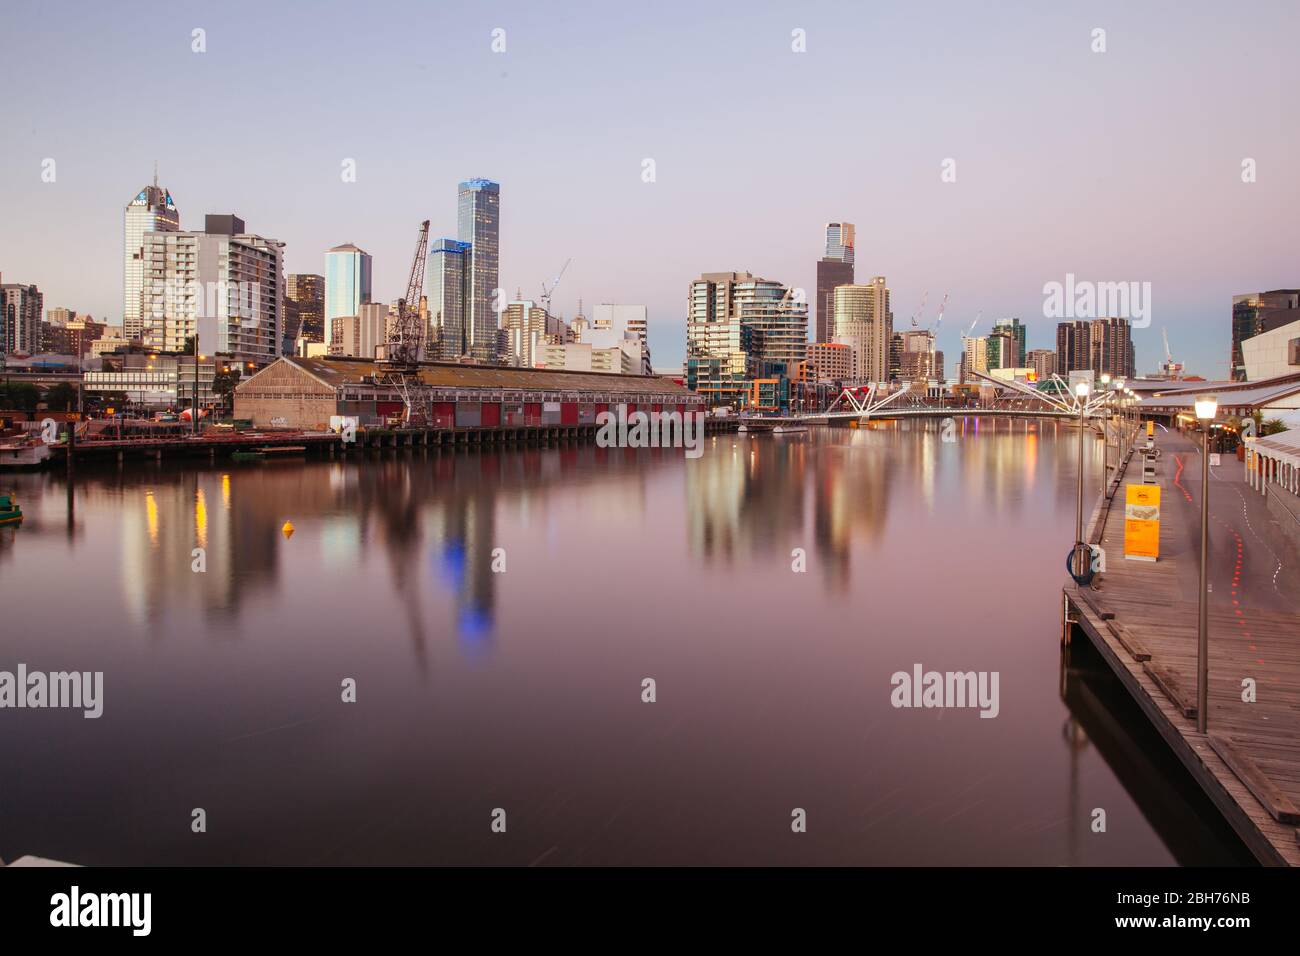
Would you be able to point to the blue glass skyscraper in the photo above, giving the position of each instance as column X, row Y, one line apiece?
column 478, row 223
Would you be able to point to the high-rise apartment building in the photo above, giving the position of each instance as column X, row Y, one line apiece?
column 304, row 305
column 741, row 326
column 224, row 284
column 1096, row 345
column 864, row 321
column 975, row 357
column 478, row 223
column 1110, row 347
column 833, row 269
column 1043, row 362
column 1256, row 313
column 21, row 308
column 1073, row 347
column 347, row 284
column 1018, row 354
column 1000, row 350
column 152, row 210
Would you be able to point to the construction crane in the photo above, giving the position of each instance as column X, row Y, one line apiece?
column 1173, row 369
column 547, row 293
column 406, row 336
column 916, row 317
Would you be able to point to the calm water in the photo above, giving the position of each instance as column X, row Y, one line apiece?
column 522, row 690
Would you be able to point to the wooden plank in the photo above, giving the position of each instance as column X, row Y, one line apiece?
column 1136, row 649
column 1264, row 790
column 1170, row 686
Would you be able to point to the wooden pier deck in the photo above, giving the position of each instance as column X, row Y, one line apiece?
column 1142, row 618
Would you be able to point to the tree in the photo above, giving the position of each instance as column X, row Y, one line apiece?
column 223, row 384
column 1272, row 427
column 61, row 396
column 22, row 396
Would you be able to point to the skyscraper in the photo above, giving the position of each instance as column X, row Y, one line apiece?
column 446, row 285
column 834, row 268
column 864, row 321
column 152, row 210
column 478, row 222
column 347, row 284
column 1256, row 313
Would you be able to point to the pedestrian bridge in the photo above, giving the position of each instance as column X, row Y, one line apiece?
column 1010, row 400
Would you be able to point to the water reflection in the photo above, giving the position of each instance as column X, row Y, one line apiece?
column 499, row 609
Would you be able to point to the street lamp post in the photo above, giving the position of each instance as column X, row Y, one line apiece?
column 1207, row 407
column 1105, row 440
column 1081, row 391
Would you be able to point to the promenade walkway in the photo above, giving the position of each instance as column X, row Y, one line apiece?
column 1142, row 617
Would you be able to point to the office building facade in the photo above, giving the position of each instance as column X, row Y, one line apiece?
column 864, row 322
column 478, row 223
column 347, row 284
column 446, row 286
column 152, row 210
column 1256, row 313
column 304, row 306
column 834, row 268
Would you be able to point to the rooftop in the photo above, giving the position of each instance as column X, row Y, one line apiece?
column 337, row 371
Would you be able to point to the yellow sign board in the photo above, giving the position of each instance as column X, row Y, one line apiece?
column 1142, row 522
column 1151, row 428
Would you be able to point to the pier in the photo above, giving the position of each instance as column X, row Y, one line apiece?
column 213, row 444
column 1142, row 618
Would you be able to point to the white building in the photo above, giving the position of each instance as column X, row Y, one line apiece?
column 1271, row 354
column 584, row 357
column 611, row 325
column 224, row 284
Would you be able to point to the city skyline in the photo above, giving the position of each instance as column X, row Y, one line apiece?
column 1035, row 198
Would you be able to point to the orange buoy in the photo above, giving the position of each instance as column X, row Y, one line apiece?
column 288, row 529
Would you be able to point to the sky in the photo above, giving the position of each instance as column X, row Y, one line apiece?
column 1122, row 165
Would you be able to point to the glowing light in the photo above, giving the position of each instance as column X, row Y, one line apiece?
column 151, row 516
column 201, row 518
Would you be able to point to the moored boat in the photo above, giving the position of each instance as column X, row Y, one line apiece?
column 10, row 513
column 23, row 453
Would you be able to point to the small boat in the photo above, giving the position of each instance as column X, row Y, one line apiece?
column 10, row 513
column 23, row 453
column 792, row 428
column 247, row 455
column 285, row 450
